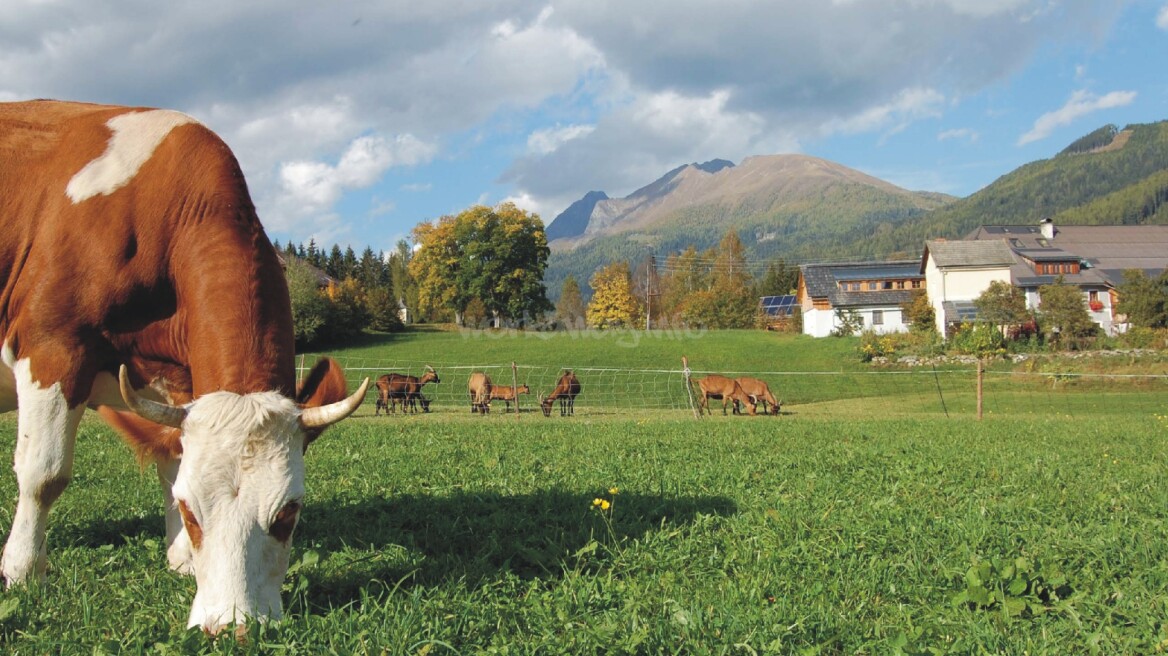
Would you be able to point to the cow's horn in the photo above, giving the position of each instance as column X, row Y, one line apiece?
column 326, row 415
column 159, row 413
column 429, row 368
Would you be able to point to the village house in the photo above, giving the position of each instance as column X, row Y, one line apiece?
column 957, row 272
column 1091, row 257
column 873, row 292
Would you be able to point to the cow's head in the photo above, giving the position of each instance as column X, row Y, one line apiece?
column 239, row 489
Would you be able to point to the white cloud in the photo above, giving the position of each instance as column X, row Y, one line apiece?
column 1080, row 104
column 909, row 105
column 961, row 134
column 1162, row 18
column 542, row 142
column 311, row 188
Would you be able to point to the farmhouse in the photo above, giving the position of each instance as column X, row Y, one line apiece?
column 957, row 272
column 870, row 292
column 1090, row 257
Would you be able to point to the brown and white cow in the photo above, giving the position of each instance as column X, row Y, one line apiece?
column 129, row 243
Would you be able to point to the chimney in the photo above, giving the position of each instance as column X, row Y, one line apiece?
column 1047, row 227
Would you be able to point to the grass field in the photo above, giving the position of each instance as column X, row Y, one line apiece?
column 807, row 533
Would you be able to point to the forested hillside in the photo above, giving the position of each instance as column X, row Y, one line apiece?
column 1109, row 176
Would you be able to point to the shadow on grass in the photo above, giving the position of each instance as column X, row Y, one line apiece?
column 476, row 537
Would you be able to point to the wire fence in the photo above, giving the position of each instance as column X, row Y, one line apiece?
column 949, row 391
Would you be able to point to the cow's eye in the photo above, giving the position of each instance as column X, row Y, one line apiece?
column 194, row 531
column 285, row 521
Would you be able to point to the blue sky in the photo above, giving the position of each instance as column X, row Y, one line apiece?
column 355, row 120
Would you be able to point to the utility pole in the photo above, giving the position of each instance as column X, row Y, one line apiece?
column 650, row 271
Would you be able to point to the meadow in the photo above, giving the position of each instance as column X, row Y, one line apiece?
column 808, row 533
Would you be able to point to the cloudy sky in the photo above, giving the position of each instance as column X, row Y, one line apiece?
column 355, row 120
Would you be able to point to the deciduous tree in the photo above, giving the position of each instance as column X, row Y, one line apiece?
column 1144, row 299
column 1063, row 314
column 613, row 304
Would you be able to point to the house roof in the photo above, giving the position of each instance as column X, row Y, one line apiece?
column 968, row 254
column 822, row 281
column 1107, row 251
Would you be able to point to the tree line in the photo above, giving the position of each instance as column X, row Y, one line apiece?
column 485, row 267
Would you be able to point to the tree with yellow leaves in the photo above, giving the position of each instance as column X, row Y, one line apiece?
column 613, row 304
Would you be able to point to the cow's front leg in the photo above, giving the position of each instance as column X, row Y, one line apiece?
column 178, row 543
column 46, row 429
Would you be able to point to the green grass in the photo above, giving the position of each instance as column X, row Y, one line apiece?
column 450, row 534
column 630, row 370
column 865, row 520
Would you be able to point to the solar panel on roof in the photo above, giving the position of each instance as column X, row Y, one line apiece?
column 778, row 305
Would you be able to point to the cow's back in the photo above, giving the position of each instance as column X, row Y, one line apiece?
column 134, row 227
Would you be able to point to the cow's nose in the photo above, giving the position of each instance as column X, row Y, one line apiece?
column 214, row 629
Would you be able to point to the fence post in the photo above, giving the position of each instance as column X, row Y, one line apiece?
column 688, row 387
column 980, row 376
column 515, row 387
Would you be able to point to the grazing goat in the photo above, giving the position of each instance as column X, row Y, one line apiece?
column 392, row 388
column 508, row 394
column 479, row 386
column 567, row 388
column 721, row 387
column 760, row 393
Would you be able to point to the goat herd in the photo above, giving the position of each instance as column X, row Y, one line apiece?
column 395, row 388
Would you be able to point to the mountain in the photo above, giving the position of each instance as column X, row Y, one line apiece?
column 572, row 221
column 781, row 205
column 1108, row 177
column 807, row 209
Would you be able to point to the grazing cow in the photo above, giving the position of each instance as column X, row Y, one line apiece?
column 479, row 387
column 392, row 388
column 567, row 389
column 726, row 389
column 760, row 393
column 135, row 279
column 508, row 394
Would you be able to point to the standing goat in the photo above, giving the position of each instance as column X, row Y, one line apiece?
column 760, row 393
column 726, row 389
column 508, row 394
column 567, row 388
column 479, row 386
column 392, row 388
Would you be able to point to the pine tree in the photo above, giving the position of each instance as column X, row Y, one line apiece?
column 570, row 309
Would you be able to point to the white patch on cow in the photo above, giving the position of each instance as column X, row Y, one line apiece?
column 135, row 136
column 7, row 380
column 46, row 428
column 242, row 462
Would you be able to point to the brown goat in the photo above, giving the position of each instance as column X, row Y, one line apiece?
column 567, row 388
column 479, row 386
column 508, row 394
column 392, row 388
column 721, row 387
column 760, row 393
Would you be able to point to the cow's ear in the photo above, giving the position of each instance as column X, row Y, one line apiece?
column 324, row 384
column 150, row 441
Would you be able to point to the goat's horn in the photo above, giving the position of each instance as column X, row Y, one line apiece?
column 327, row 415
column 159, row 413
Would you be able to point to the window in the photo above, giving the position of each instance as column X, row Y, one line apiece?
column 1093, row 295
column 855, row 286
column 900, row 284
column 916, row 284
column 872, row 286
column 877, row 317
column 887, row 284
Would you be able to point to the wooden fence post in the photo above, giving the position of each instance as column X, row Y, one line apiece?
column 980, row 376
column 515, row 386
column 688, row 387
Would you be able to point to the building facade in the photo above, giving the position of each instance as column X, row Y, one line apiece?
column 871, row 292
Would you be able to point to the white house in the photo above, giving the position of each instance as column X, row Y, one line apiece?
column 957, row 272
column 1092, row 257
column 873, row 291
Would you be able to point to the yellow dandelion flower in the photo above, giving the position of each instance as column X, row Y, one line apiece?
column 613, row 491
column 604, row 504
column 597, row 502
